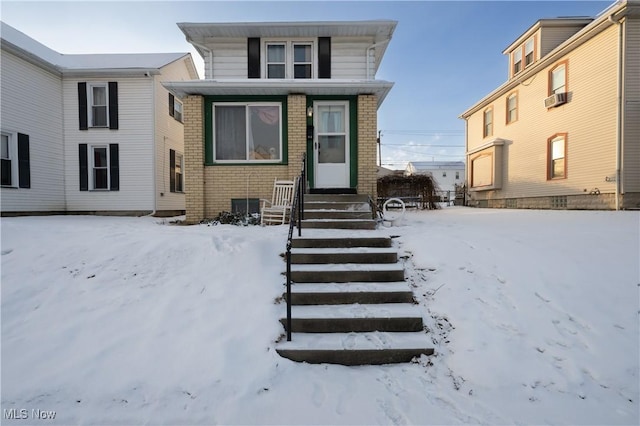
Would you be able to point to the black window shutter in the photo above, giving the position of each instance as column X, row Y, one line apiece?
column 113, row 105
column 324, row 57
column 172, row 170
column 172, row 101
column 24, row 167
column 253, row 57
column 84, row 169
column 82, row 105
column 114, row 167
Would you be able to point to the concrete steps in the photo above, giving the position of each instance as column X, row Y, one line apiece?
column 350, row 303
column 350, row 293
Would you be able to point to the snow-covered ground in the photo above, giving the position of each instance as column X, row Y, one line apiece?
column 534, row 316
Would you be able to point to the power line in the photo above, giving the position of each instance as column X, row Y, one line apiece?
column 392, row 145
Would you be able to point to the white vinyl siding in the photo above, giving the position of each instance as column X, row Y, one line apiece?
column 348, row 58
column 135, row 137
column 28, row 92
column 591, row 155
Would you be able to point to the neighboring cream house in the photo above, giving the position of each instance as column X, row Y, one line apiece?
column 564, row 130
column 90, row 133
column 447, row 174
column 273, row 91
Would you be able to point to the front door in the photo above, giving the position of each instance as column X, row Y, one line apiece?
column 331, row 144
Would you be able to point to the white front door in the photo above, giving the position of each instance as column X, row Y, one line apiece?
column 331, row 144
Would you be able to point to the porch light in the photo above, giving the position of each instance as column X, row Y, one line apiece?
column 309, row 111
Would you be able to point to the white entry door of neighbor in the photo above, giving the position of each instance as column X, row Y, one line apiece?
column 331, row 144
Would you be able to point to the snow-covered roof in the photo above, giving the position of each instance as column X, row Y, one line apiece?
column 36, row 52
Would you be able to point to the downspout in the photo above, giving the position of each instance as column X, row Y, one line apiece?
column 154, row 148
column 619, row 109
column 209, row 56
column 368, row 53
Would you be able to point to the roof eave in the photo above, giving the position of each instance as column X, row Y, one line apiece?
column 380, row 88
column 110, row 72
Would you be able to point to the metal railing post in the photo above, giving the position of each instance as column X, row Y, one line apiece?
column 289, row 291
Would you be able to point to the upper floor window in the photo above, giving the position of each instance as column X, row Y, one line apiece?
column 98, row 100
column 558, row 79
column 276, row 63
column 289, row 60
column 528, row 52
column 556, row 154
column 512, row 108
column 97, row 105
column 487, row 122
column 517, row 61
column 249, row 132
column 523, row 56
column 175, row 108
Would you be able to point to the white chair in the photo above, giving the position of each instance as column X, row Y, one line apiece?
column 278, row 210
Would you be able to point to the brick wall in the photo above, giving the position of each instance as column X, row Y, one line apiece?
column 193, row 112
column 367, row 144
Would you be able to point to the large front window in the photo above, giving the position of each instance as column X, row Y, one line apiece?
column 247, row 132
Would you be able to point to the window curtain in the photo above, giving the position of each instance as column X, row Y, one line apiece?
column 230, row 133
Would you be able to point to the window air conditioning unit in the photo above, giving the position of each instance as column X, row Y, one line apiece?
column 555, row 100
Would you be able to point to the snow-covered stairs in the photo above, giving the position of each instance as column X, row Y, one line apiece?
column 350, row 303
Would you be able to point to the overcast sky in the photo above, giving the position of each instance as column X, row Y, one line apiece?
column 444, row 55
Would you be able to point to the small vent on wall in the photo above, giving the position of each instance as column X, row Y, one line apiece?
column 555, row 100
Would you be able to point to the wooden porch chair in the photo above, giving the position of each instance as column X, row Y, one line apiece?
column 278, row 210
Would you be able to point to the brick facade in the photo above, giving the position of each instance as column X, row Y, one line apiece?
column 367, row 144
column 210, row 189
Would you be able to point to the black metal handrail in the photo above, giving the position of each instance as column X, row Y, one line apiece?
column 297, row 214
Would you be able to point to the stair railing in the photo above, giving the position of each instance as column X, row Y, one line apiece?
column 297, row 214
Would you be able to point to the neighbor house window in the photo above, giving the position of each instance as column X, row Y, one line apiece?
column 558, row 79
column 289, row 60
column 557, row 153
column 175, row 108
column 487, row 129
column 247, row 132
column 14, row 152
column 98, row 105
column 457, row 175
column 99, row 167
column 528, row 52
column 512, row 108
column 7, row 170
column 176, row 165
column 517, row 61
column 98, row 101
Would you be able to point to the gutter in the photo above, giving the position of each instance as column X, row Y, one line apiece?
column 620, row 107
column 368, row 53
column 210, row 56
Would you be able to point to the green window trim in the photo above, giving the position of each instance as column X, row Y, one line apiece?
column 208, row 130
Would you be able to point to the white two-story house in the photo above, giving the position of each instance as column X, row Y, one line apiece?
column 95, row 133
column 273, row 91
